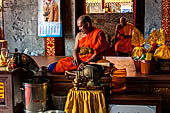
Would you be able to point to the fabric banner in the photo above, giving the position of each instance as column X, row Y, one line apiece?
column 49, row 22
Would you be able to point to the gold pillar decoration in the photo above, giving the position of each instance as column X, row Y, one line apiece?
column 50, row 46
column 166, row 17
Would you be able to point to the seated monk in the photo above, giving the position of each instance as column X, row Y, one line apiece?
column 90, row 42
column 122, row 38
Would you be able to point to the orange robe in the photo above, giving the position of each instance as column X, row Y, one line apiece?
column 124, row 39
column 95, row 39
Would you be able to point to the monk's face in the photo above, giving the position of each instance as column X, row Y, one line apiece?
column 83, row 27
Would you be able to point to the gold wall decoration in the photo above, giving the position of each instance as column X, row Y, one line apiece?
column 166, row 17
column 50, row 46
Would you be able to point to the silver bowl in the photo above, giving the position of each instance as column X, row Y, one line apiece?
column 54, row 111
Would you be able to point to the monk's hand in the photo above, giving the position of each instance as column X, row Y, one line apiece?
column 75, row 62
column 82, row 65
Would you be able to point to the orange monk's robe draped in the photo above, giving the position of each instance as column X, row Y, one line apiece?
column 124, row 39
column 95, row 39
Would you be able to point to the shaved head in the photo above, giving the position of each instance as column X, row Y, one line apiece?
column 84, row 19
column 123, row 21
column 84, row 24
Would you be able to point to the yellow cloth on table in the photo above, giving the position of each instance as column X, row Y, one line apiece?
column 85, row 101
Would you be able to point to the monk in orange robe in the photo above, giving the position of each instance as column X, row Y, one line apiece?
column 123, row 35
column 90, row 43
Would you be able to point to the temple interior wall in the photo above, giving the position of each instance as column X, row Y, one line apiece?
column 21, row 23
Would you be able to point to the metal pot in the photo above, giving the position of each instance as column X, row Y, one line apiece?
column 35, row 94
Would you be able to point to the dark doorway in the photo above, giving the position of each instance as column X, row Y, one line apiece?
column 139, row 14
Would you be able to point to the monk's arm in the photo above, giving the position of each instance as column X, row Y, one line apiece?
column 116, row 33
column 117, row 30
column 75, row 51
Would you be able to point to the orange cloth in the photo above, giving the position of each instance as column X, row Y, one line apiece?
column 119, row 80
column 124, row 39
column 95, row 39
column 85, row 101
